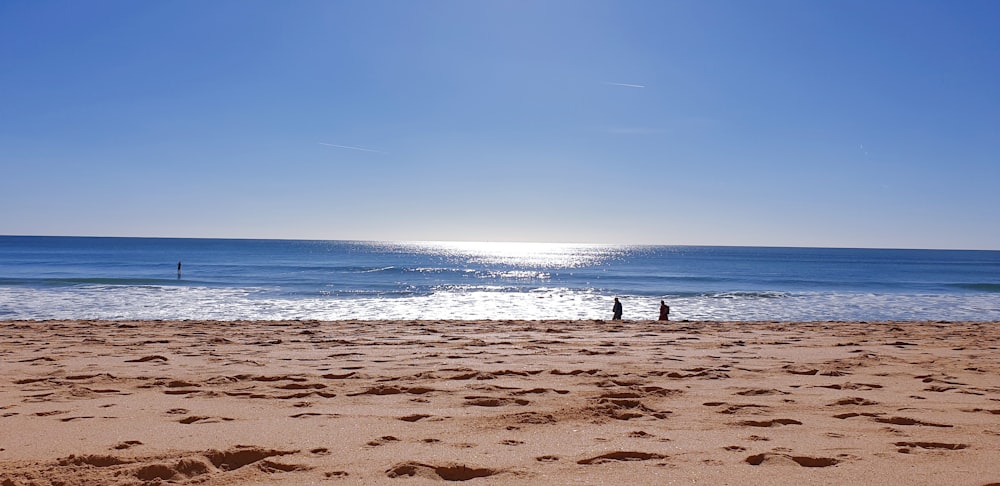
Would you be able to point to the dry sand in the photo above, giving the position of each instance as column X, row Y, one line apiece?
column 499, row 402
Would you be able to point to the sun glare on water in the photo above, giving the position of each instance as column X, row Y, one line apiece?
column 564, row 255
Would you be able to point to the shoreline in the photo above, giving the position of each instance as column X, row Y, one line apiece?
column 499, row 401
column 501, row 320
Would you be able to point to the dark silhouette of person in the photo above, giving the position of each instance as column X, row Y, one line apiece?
column 178, row 269
column 617, row 309
column 664, row 311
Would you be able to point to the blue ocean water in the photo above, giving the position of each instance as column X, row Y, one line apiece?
column 137, row 278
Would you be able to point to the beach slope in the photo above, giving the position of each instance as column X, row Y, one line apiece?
column 499, row 402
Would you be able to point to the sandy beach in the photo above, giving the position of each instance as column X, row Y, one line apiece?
column 499, row 402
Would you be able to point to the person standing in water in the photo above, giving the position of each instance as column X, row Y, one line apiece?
column 664, row 311
column 617, row 309
column 178, row 270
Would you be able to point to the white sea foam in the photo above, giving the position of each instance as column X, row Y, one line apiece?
column 153, row 302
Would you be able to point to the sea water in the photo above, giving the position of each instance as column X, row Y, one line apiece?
column 138, row 278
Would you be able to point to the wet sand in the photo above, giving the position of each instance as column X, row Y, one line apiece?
column 499, row 402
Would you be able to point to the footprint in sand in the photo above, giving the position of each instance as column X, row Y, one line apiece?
column 301, row 386
column 768, row 423
column 907, row 447
column 574, row 372
column 855, row 414
column 314, row 414
column 340, row 376
column 181, row 384
column 278, row 467
column 241, row 456
column 199, row 419
column 640, row 434
column 749, row 408
column 26, row 381
column 853, row 401
column 128, row 444
column 449, row 472
column 534, row 391
column 771, row 458
column 852, row 386
column 144, row 359
column 761, row 391
column 908, row 421
column 494, row 401
column 621, row 456
column 392, row 390
column 797, row 370
column 53, row 412
column 382, row 441
column 414, row 418
column 982, row 410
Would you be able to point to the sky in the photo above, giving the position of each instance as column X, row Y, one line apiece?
column 709, row 122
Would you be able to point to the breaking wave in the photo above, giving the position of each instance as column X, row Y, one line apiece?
column 478, row 302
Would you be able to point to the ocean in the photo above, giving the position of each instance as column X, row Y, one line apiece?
column 220, row 279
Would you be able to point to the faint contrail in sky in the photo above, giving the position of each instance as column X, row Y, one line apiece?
column 627, row 85
column 352, row 148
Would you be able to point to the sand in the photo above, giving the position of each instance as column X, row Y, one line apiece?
column 499, row 402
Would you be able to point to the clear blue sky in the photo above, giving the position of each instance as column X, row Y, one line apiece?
column 791, row 123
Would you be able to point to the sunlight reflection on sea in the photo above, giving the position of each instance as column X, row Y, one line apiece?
column 559, row 255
